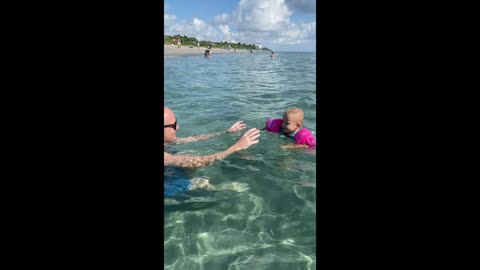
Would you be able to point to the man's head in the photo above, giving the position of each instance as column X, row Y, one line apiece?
column 169, row 127
column 292, row 120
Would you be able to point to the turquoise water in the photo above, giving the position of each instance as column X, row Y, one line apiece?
column 258, row 218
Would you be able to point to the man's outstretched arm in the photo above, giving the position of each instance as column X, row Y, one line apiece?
column 247, row 139
column 236, row 127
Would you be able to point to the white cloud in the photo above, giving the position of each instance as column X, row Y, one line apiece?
column 301, row 34
column 168, row 20
column 224, row 29
column 198, row 24
column 224, row 18
column 266, row 21
column 261, row 16
column 302, row 6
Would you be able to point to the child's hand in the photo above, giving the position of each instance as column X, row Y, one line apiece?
column 237, row 126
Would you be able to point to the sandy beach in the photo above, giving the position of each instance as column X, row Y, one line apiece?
column 169, row 50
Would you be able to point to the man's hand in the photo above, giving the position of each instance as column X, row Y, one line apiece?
column 237, row 126
column 247, row 140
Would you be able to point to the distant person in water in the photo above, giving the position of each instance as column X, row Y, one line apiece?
column 207, row 53
column 291, row 126
column 171, row 126
column 273, row 55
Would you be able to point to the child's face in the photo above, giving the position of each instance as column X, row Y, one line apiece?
column 291, row 122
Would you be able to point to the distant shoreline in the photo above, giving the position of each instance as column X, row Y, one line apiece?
column 169, row 50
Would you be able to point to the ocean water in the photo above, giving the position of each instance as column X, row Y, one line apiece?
column 258, row 217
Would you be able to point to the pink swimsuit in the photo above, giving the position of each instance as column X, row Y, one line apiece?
column 303, row 136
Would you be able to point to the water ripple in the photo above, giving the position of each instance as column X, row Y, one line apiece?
column 270, row 225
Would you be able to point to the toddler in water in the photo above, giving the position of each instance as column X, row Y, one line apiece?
column 291, row 126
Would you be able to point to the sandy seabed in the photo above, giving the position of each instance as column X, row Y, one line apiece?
column 169, row 50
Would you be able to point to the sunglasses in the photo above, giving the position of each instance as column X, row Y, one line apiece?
column 174, row 125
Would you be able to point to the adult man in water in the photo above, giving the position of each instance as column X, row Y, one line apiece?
column 170, row 136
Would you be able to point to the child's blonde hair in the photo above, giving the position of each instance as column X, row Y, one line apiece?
column 296, row 111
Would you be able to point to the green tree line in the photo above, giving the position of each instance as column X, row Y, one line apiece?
column 191, row 41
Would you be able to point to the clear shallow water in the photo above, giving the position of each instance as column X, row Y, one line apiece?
column 271, row 225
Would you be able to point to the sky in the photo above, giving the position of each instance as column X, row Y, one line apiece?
column 280, row 25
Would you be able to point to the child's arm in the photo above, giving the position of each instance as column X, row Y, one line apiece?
column 302, row 146
column 236, row 127
column 304, row 140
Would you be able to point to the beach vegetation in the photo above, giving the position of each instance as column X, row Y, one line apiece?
column 169, row 40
